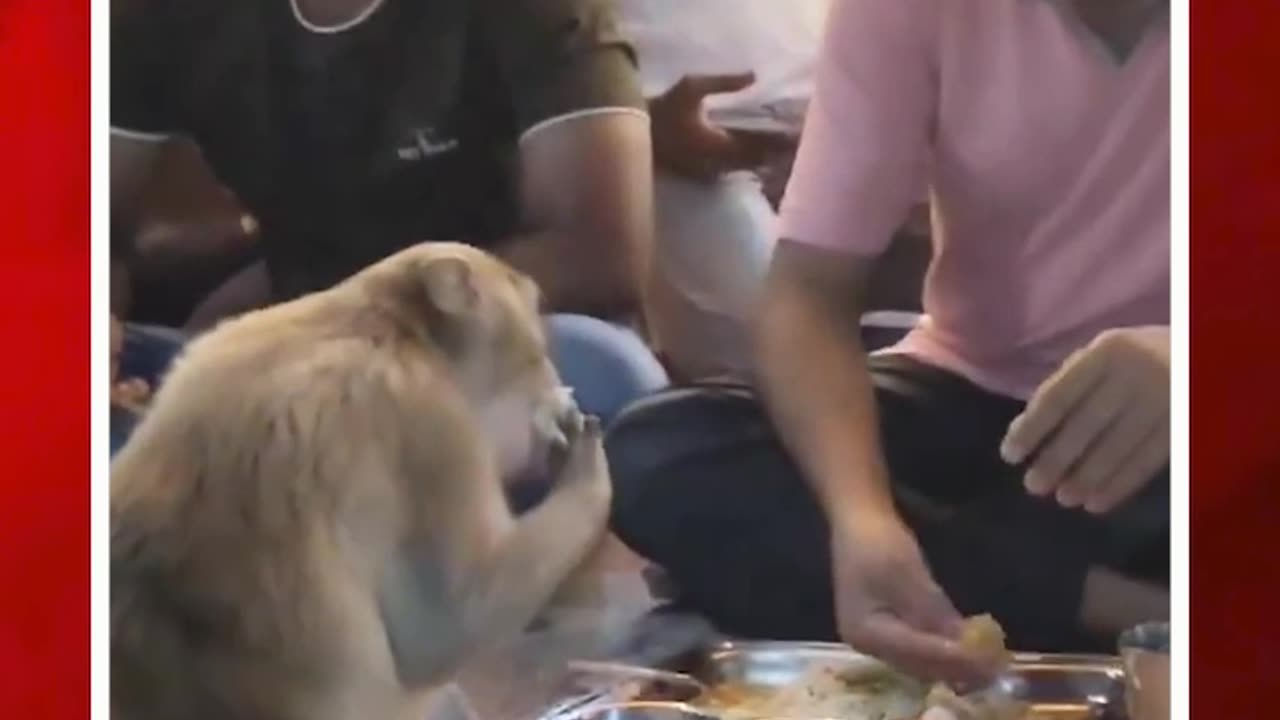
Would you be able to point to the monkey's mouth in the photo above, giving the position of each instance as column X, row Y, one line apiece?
column 556, row 420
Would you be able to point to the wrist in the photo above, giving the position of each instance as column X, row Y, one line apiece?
column 855, row 509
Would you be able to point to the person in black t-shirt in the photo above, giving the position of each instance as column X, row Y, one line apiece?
column 353, row 128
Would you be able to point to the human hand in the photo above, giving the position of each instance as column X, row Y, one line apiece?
column 889, row 606
column 1098, row 429
column 686, row 144
column 131, row 393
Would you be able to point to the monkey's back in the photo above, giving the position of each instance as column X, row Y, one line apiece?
column 241, row 567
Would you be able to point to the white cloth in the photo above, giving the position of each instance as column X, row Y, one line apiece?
column 714, row 244
column 777, row 39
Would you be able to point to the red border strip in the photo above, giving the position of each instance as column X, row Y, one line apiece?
column 44, row 299
column 1235, row 336
column 44, row 408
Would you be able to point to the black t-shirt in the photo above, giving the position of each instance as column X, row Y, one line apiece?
column 349, row 144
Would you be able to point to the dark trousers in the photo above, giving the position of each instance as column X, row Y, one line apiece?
column 704, row 488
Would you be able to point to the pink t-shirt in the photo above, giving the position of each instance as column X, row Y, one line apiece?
column 1047, row 160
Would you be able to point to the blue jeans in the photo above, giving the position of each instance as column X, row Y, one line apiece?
column 607, row 366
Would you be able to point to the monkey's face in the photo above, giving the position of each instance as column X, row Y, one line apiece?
column 493, row 334
column 526, row 405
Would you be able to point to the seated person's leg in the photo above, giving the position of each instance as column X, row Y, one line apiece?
column 712, row 249
column 608, row 366
column 704, row 488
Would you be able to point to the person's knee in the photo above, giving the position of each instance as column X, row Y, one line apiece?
column 608, row 366
column 677, row 433
column 635, row 444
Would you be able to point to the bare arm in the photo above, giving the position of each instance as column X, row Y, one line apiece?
column 862, row 165
column 132, row 163
column 814, row 376
column 587, row 194
column 873, row 108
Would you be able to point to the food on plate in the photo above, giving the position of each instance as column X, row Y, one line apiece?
column 983, row 636
column 942, row 703
column 872, row 692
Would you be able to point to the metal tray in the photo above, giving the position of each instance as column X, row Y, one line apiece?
column 1058, row 687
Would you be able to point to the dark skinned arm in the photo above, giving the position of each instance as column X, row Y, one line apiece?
column 587, row 189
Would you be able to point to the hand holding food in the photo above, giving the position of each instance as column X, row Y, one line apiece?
column 1098, row 430
column 864, row 691
column 984, row 637
column 888, row 605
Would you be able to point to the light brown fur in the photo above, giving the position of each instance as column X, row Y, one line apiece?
column 309, row 523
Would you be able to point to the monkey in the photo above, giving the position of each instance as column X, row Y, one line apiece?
column 310, row 523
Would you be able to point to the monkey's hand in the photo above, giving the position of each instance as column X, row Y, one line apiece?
column 557, row 420
column 584, row 469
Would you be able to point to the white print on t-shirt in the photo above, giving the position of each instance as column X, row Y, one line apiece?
column 425, row 144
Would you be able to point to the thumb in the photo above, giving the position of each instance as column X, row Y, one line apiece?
column 700, row 86
column 927, row 608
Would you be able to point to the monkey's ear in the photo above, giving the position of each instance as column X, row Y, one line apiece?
column 450, row 285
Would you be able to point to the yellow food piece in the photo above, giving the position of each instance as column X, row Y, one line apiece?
column 983, row 636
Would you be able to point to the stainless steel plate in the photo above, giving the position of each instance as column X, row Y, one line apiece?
column 643, row 711
column 1059, row 687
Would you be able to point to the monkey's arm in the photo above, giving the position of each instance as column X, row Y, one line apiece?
column 441, row 603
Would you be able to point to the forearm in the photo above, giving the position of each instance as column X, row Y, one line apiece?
column 534, row 561
column 132, row 162
column 819, row 392
column 440, row 604
column 596, row 278
column 587, row 209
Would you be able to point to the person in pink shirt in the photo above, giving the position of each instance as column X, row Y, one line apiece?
column 1011, row 454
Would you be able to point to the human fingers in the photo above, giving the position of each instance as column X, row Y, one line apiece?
column 1103, row 459
column 694, row 88
column 922, row 603
column 1136, row 471
column 921, row 654
column 1089, row 419
column 1050, row 405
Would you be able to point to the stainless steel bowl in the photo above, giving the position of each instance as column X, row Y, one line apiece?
column 1144, row 650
